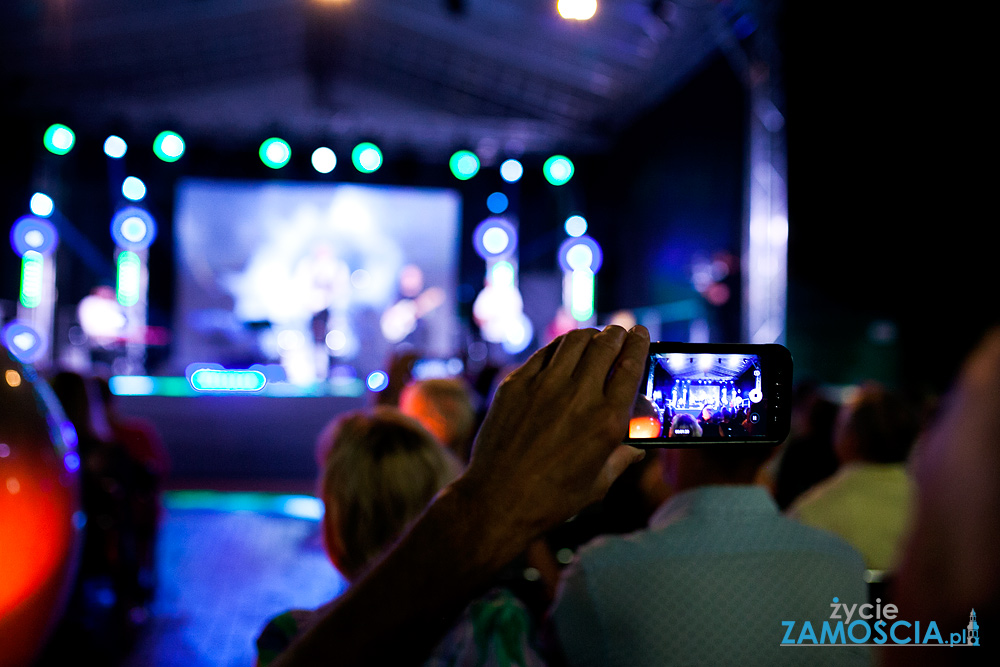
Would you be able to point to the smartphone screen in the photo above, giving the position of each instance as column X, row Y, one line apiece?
column 696, row 394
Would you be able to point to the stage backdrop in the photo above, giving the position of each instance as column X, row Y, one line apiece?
column 314, row 279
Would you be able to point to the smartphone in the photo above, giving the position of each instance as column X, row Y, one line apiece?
column 695, row 394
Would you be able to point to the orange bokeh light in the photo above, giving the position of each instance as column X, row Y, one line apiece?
column 40, row 516
column 644, row 427
column 38, row 555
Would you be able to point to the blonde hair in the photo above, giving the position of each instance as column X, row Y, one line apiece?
column 380, row 469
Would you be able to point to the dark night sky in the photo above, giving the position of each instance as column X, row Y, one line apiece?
column 882, row 192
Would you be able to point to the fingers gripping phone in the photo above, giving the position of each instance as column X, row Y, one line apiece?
column 696, row 394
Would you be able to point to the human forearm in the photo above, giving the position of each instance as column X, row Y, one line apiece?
column 549, row 446
column 400, row 609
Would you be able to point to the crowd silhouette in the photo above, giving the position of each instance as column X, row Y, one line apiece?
column 548, row 542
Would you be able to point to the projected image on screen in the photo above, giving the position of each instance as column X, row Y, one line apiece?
column 704, row 395
column 313, row 279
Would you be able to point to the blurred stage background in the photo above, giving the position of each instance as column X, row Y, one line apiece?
column 316, row 276
column 735, row 170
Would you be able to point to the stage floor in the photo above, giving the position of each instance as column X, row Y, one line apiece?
column 227, row 562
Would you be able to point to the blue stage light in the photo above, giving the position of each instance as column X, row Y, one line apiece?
column 377, row 381
column 580, row 253
column 115, row 147
column 131, row 385
column 31, row 233
column 133, row 228
column 511, row 170
column 324, row 160
column 216, row 379
column 497, row 202
column 494, row 237
column 24, row 343
column 576, row 225
column 133, row 188
column 41, row 204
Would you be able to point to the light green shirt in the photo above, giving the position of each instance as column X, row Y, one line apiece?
column 867, row 504
column 709, row 583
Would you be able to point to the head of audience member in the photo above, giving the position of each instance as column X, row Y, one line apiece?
column 689, row 468
column 400, row 373
column 81, row 401
column 380, row 470
column 807, row 456
column 444, row 407
column 684, row 425
column 707, row 413
column 875, row 425
column 645, row 419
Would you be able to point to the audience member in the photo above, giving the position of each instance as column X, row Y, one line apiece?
column 400, row 373
column 626, row 508
column 712, row 578
column 646, row 421
column 868, row 501
column 807, row 457
column 150, row 465
column 380, row 470
column 538, row 460
column 444, row 407
column 108, row 600
column 550, row 445
column 684, row 426
column 707, row 416
column 949, row 563
column 530, row 471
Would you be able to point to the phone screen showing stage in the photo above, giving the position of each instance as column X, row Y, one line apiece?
column 707, row 396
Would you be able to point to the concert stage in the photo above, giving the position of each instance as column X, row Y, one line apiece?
column 240, row 441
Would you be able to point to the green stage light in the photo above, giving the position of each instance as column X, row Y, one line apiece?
column 558, row 169
column 32, row 268
column 168, row 146
column 366, row 157
column 129, row 277
column 275, row 153
column 464, row 165
column 59, row 139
